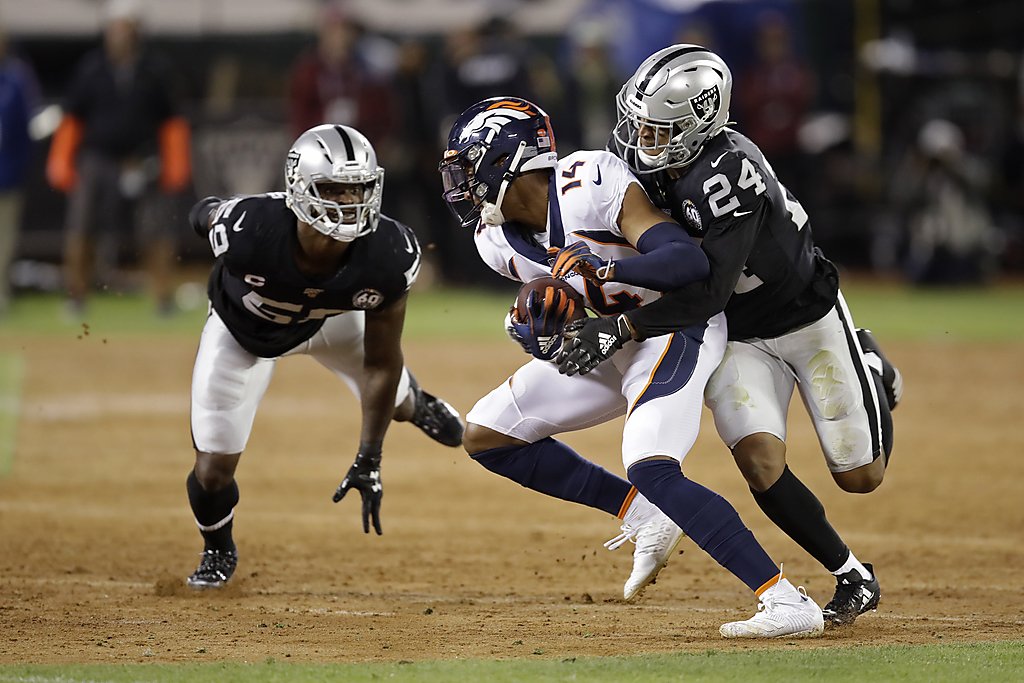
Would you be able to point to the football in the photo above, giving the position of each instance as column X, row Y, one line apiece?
column 574, row 302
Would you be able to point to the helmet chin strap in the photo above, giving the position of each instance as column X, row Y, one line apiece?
column 490, row 214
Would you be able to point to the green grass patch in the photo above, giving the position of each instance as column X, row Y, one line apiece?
column 11, row 372
column 893, row 311
column 924, row 663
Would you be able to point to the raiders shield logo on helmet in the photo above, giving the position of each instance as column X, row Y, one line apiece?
column 706, row 103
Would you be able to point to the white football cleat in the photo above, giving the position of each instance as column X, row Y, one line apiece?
column 656, row 539
column 784, row 611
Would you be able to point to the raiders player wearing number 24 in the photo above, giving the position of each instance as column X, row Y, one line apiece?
column 789, row 325
column 314, row 270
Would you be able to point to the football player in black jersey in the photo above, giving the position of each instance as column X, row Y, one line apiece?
column 788, row 322
column 314, row 270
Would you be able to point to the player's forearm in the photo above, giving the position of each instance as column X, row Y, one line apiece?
column 378, row 401
column 668, row 260
column 674, row 311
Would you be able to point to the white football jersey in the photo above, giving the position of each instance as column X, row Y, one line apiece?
column 584, row 201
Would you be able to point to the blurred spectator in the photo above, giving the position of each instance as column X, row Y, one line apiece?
column 18, row 99
column 940, row 189
column 121, row 134
column 343, row 79
column 773, row 96
column 592, row 85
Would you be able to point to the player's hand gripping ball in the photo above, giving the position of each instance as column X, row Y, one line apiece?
column 546, row 313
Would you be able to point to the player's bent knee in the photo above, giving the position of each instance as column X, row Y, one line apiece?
column 761, row 458
column 479, row 438
column 215, row 471
column 861, row 480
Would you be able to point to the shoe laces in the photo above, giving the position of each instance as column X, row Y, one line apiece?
column 628, row 534
column 639, row 536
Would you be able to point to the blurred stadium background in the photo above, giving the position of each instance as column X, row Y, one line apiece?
column 898, row 123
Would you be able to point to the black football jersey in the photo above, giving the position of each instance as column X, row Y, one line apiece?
column 267, row 303
column 766, row 272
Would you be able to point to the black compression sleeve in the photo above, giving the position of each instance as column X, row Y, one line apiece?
column 199, row 216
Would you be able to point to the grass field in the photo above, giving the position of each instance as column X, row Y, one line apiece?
column 924, row 317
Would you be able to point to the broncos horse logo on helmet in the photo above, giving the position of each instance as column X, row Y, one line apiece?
column 489, row 146
column 677, row 99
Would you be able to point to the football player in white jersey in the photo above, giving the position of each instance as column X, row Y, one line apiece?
column 315, row 270
column 530, row 212
column 789, row 326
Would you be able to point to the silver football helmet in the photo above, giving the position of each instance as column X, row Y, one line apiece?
column 676, row 100
column 334, row 154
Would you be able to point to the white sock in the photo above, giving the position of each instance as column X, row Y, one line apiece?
column 639, row 511
column 853, row 563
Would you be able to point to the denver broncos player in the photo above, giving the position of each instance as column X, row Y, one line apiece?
column 314, row 270
column 502, row 178
column 788, row 322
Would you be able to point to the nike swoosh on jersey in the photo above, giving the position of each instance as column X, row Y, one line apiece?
column 737, row 214
column 598, row 180
column 714, row 164
column 237, row 227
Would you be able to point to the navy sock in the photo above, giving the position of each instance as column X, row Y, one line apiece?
column 211, row 508
column 554, row 469
column 707, row 518
column 799, row 513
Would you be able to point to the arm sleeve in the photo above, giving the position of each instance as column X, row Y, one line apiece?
column 199, row 215
column 726, row 248
column 668, row 260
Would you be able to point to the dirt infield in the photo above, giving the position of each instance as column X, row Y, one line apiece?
column 96, row 535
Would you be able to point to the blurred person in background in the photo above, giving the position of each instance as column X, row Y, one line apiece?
column 773, row 96
column 120, row 138
column 941, row 192
column 341, row 80
column 18, row 99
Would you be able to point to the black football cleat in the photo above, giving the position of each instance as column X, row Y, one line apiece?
column 892, row 380
column 436, row 417
column 214, row 569
column 854, row 596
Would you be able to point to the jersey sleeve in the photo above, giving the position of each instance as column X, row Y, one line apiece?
column 495, row 250
column 410, row 255
column 610, row 179
column 233, row 230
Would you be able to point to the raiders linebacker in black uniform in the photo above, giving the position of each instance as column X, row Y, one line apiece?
column 787, row 319
column 314, row 270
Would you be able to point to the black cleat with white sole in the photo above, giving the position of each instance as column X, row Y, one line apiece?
column 854, row 596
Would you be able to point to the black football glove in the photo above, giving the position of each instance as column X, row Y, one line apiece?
column 595, row 342
column 364, row 475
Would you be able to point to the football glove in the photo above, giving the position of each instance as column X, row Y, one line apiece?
column 549, row 322
column 578, row 258
column 364, row 476
column 595, row 342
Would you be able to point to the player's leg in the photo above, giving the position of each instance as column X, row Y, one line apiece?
column 228, row 383
column 887, row 373
column 338, row 346
column 665, row 387
column 844, row 399
column 510, row 432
